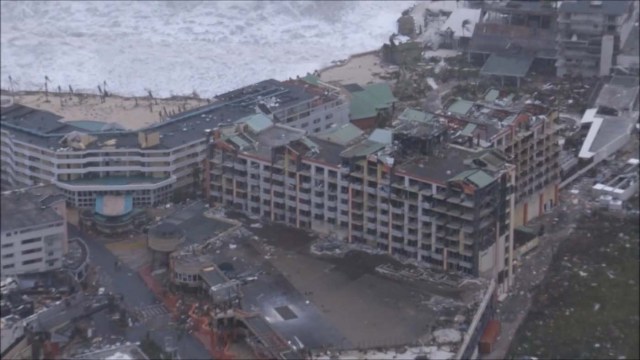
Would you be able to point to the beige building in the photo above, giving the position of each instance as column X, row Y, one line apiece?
column 405, row 191
column 527, row 135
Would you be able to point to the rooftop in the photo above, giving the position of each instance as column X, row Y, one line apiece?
column 606, row 7
column 454, row 163
column 618, row 97
column 632, row 45
column 45, row 129
column 366, row 103
column 412, row 115
column 513, row 39
column 507, row 65
column 29, row 207
column 604, row 131
column 458, row 17
column 341, row 135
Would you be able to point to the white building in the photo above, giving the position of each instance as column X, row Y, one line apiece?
column 155, row 162
column 33, row 230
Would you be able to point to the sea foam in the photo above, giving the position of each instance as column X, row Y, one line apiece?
column 174, row 48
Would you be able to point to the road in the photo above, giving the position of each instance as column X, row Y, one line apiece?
column 532, row 270
column 127, row 282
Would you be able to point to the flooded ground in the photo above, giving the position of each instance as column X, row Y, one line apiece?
column 587, row 306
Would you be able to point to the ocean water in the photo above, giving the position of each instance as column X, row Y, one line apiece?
column 174, row 48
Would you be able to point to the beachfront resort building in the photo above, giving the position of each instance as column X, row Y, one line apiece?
column 406, row 191
column 152, row 164
column 526, row 133
column 33, row 230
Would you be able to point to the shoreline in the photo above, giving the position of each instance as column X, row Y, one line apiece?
column 8, row 92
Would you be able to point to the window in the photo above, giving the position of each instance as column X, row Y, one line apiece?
column 329, row 116
column 315, row 121
column 7, row 256
column 304, row 125
column 31, row 251
column 316, row 130
column 30, row 241
column 8, row 266
column 5, row 246
column 34, row 261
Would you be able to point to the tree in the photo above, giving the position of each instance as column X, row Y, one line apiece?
column 465, row 25
column 46, row 88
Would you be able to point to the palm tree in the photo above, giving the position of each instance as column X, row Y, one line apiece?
column 46, row 88
column 465, row 25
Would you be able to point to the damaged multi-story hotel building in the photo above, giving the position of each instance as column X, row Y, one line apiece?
column 526, row 132
column 407, row 191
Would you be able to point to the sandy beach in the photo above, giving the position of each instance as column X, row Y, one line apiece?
column 359, row 69
column 130, row 113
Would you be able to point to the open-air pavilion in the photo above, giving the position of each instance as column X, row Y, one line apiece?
column 507, row 66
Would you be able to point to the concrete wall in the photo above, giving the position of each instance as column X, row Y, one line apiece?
column 532, row 205
column 606, row 55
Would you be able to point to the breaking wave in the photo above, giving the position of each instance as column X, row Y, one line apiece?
column 174, row 48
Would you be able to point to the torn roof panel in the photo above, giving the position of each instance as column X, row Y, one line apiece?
column 480, row 178
column 468, row 130
column 256, row 122
column 239, row 142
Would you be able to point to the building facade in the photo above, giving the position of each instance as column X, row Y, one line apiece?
column 527, row 134
column 447, row 207
column 34, row 231
column 591, row 34
column 154, row 163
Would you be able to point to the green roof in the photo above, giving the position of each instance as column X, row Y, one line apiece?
column 341, row 135
column 477, row 177
column 480, row 178
column 415, row 116
column 362, row 149
column 239, row 141
column 310, row 144
column 492, row 95
column 374, row 97
column 460, row 106
column 513, row 65
column 468, row 130
column 256, row 122
column 463, row 175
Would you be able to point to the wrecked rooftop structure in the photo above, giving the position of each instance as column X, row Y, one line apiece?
column 519, row 29
column 527, row 135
